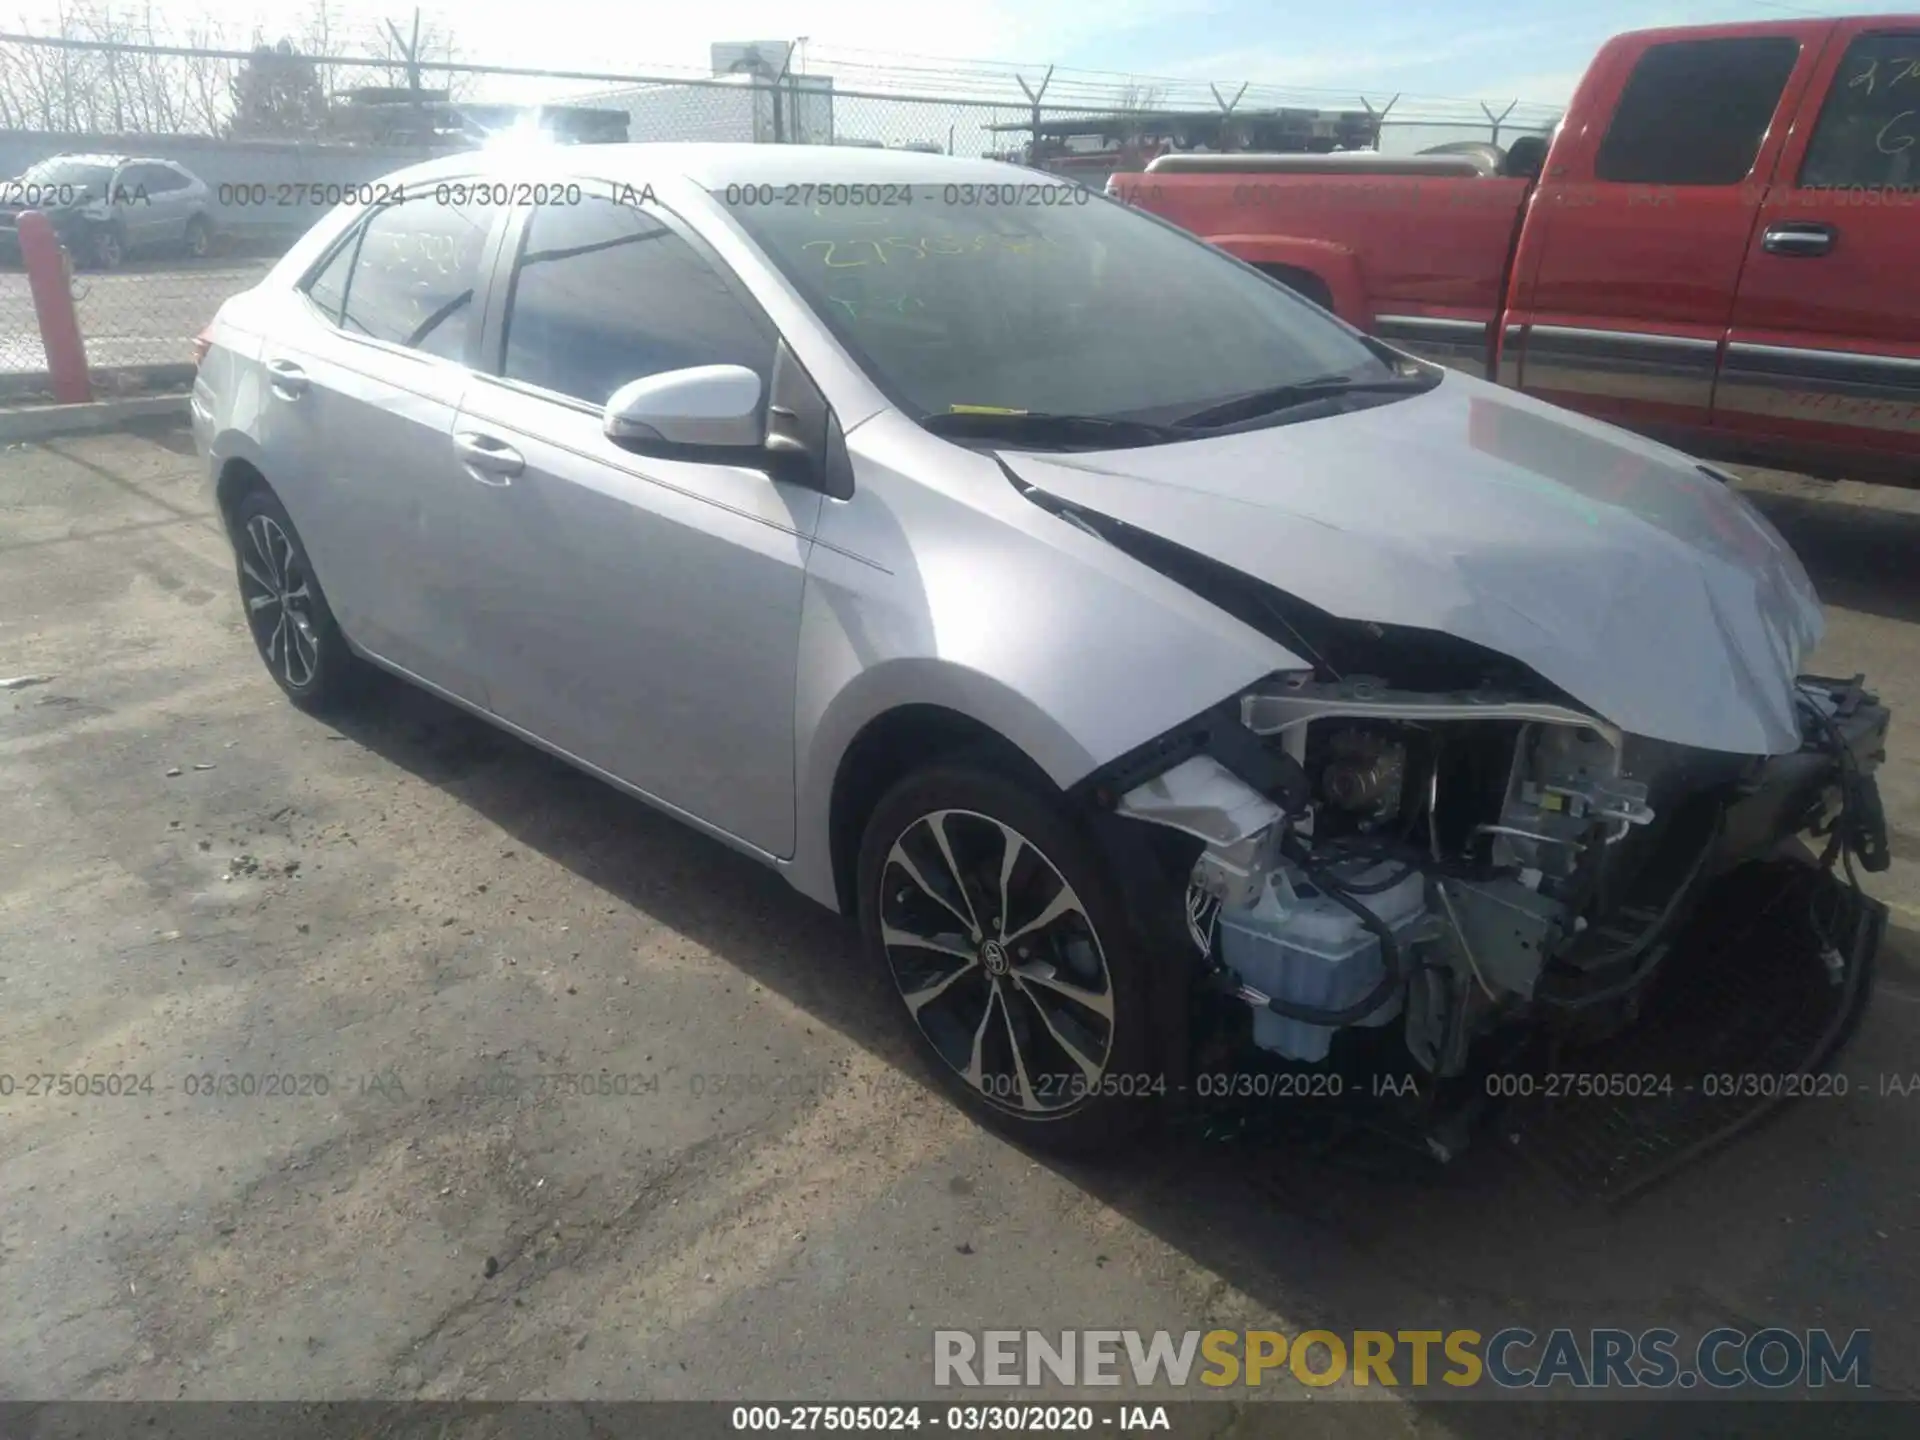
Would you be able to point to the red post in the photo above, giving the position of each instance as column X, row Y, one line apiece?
column 52, row 289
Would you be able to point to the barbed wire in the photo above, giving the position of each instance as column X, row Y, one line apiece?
column 363, row 30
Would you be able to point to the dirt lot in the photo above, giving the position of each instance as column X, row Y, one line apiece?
column 422, row 919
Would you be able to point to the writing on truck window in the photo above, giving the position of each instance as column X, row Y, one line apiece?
column 1870, row 123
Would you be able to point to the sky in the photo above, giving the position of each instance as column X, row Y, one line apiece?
column 1492, row 49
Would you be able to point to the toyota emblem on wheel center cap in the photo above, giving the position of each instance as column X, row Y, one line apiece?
column 994, row 956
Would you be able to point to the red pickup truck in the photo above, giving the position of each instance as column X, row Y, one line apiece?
column 1720, row 246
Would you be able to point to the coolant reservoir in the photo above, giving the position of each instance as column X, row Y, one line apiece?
column 1298, row 944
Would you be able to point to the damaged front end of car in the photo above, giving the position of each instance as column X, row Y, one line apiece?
column 1536, row 798
column 1450, row 883
column 1484, row 879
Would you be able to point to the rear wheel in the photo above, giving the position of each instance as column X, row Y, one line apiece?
column 1021, row 979
column 293, row 627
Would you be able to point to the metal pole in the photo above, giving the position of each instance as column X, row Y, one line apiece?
column 1379, row 118
column 1495, row 120
column 1033, row 99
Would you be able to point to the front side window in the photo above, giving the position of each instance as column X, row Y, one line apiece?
column 1868, row 135
column 415, row 276
column 1694, row 112
column 967, row 299
column 605, row 293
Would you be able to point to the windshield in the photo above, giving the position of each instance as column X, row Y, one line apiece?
column 1071, row 305
column 83, row 176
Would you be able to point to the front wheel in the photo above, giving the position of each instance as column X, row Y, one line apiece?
column 199, row 237
column 995, row 920
column 105, row 249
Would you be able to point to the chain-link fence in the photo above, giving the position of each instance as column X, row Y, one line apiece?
column 269, row 140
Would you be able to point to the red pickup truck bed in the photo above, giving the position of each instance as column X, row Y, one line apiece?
column 1717, row 248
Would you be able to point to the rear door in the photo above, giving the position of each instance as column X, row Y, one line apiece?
column 1823, row 362
column 166, row 207
column 1631, row 255
column 365, row 377
column 140, row 205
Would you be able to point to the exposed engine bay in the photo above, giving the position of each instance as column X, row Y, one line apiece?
column 1433, row 870
column 1591, row 748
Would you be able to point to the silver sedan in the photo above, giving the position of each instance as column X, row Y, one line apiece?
column 1122, row 639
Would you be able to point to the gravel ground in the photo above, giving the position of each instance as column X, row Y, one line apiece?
column 416, row 924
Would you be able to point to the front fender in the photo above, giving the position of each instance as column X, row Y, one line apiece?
column 950, row 589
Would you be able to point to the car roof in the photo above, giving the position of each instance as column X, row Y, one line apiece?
column 90, row 158
column 714, row 165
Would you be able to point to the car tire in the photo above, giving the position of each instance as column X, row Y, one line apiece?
column 106, row 250
column 1043, row 1030
column 286, row 611
column 199, row 237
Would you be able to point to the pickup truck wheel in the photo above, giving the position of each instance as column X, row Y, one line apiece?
column 996, row 923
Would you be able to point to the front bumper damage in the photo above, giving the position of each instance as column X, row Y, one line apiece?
column 1474, row 904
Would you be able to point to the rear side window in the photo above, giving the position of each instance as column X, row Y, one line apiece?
column 1868, row 136
column 607, row 293
column 328, row 288
column 1694, row 112
column 161, row 178
column 414, row 277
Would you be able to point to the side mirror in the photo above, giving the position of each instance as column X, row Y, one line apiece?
column 702, row 408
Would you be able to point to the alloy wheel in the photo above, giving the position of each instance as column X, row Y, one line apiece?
column 997, row 962
column 279, row 598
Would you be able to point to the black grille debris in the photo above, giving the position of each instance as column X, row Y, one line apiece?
column 1744, row 1017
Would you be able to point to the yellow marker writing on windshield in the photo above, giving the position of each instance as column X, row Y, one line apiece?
column 982, row 410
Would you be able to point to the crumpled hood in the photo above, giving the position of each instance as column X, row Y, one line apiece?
column 1613, row 566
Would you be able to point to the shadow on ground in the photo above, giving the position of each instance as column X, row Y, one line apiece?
column 1860, row 558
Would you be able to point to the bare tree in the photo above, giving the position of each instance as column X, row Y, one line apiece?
column 1135, row 100
column 63, row 90
column 276, row 92
column 401, row 48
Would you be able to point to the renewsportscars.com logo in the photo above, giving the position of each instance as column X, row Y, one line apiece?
column 1509, row 1359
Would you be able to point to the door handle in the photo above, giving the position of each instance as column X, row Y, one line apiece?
column 492, row 461
column 1799, row 237
column 288, row 380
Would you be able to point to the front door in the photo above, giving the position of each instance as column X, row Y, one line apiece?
column 642, row 615
column 1823, row 362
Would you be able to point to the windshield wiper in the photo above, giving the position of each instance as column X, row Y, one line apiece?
column 1047, row 429
column 1276, row 398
